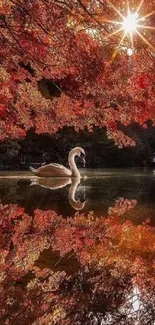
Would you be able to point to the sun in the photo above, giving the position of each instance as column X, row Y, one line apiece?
column 131, row 24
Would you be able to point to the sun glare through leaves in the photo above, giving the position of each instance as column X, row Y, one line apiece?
column 131, row 24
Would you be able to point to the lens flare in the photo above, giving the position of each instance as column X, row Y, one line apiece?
column 130, row 25
column 129, row 52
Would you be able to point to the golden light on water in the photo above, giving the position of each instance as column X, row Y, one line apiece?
column 130, row 25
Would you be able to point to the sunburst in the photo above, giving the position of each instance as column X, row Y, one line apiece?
column 130, row 25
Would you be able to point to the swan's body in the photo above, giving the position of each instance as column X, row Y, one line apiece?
column 52, row 170
column 56, row 170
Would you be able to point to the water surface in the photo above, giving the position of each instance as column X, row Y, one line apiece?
column 100, row 189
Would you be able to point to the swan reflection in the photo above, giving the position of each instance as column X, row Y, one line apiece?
column 57, row 183
column 77, row 205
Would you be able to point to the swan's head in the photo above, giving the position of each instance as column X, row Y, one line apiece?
column 79, row 152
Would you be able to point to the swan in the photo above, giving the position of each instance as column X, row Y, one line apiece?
column 56, row 170
column 59, row 182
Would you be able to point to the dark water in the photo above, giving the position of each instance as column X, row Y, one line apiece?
column 99, row 189
column 78, row 252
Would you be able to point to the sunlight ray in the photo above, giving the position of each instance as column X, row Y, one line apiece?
column 131, row 37
column 128, row 7
column 139, row 7
column 114, row 54
column 118, row 12
column 114, row 33
column 122, row 39
column 146, row 27
column 145, row 40
column 112, row 21
column 148, row 15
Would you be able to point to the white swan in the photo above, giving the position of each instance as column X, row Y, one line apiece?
column 56, row 170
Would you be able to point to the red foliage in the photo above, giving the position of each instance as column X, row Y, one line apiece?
column 2, row 110
column 60, row 270
column 61, row 42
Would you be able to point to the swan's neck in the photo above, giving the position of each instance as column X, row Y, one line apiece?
column 72, row 164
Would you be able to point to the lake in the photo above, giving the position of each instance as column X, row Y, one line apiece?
column 78, row 252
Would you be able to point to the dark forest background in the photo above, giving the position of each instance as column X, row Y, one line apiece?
column 100, row 152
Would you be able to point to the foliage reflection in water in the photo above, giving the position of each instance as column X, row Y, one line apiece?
column 84, row 268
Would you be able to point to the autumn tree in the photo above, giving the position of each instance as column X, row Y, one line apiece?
column 77, row 270
column 61, row 66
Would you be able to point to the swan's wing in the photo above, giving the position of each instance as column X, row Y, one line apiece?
column 54, row 170
column 56, row 165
